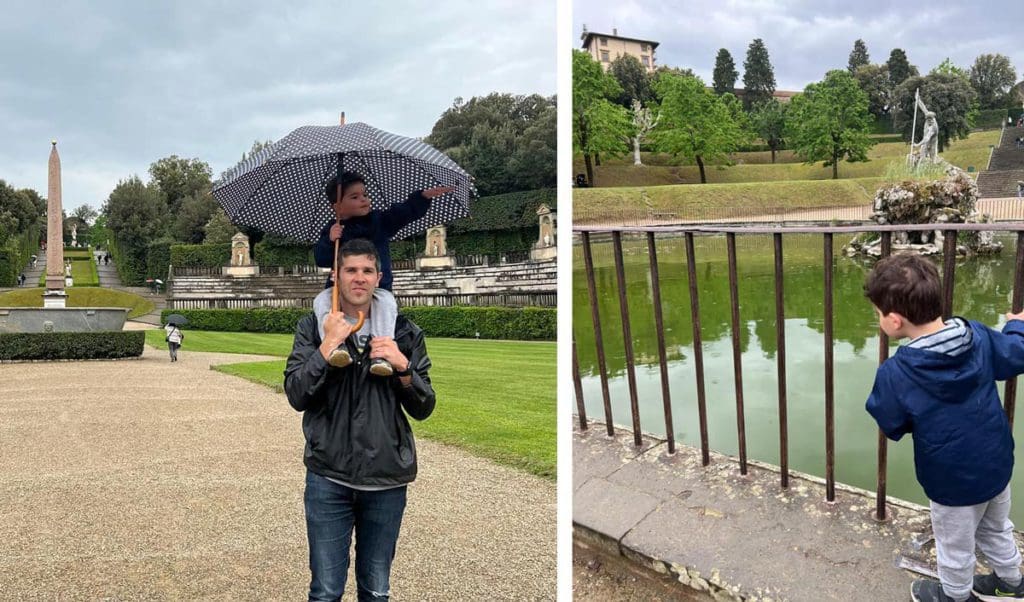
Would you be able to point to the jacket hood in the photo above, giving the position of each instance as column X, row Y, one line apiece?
column 942, row 363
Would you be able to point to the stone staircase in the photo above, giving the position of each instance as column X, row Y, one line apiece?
column 1005, row 168
column 298, row 290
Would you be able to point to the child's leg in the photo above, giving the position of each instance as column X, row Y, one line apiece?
column 954, row 528
column 384, row 314
column 995, row 538
column 322, row 307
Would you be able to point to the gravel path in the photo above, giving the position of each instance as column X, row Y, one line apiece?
column 142, row 479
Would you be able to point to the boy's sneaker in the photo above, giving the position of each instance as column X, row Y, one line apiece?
column 381, row 367
column 926, row 590
column 340, row 358
column 990, row 587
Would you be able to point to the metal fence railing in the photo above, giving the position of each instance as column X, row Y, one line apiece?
column 950, row 232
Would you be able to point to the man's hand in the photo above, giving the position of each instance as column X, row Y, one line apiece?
column 385, row 347
column 1019, row 316
column 336, row 330
column 437, row 191
column 336, row 232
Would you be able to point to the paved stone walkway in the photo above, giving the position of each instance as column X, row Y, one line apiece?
column 142, row 479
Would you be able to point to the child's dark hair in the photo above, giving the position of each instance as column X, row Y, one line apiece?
column 908, row 285
column 348, row 178
column 358, row 246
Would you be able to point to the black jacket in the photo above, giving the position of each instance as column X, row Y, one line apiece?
column 355, row 427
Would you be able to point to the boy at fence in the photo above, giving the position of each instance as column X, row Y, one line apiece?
column 941, row 387
column 358, row 220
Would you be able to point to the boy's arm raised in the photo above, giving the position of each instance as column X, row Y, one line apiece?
column 1008, row 348
column 401, row 214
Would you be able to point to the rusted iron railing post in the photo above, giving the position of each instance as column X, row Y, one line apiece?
column 1010, row 392
column 698, row 350
column 780, row 356
column 737, row 362
column 627, row 337
column 595, row 317
column 581, row 409
column 659, row 327
column 948, row 272
column 830, row 411
column 883, row 442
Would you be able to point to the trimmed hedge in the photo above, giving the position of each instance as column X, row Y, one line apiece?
column 529, row 323
column 15, row 253
column 201, row 256
column 260, row 319
column 990, row 119
column 158, row 258
column 268, row 254
column 464, row 322
column 505, row 211
column 71, row 345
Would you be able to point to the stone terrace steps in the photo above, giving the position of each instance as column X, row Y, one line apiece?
column 1005, row 167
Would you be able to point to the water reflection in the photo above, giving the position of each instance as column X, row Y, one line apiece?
column 983, row 289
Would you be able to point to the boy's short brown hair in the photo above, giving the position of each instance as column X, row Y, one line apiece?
column 908, row 285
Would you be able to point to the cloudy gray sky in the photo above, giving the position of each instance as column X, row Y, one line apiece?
column 807, row 38
column 122, row 84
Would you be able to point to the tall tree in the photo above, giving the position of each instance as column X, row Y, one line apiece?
column 874, row 81
column 858, row 57
column 992, row 76
column 769, row 122
column 189, row 222
column 219, row 228
column 725, row 73
column 598, row 125
column 758, row 75
column 633, row 78
column 946, row 67
column 535, row 153
column 178, row 178
column 85, row 213
column 135, row 214
column 899, row 67
column 695, row 123
column 829, row 121
column 950, row 96
column 483, row 133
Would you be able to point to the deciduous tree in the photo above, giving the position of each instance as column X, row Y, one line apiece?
column 598, row 125
column 829, row 121
column 949, row 95
column 992, row 76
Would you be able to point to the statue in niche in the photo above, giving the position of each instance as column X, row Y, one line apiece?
column 546, row 236
column 240, row 250
column 436, row 242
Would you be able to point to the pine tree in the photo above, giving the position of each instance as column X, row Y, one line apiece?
column 758, row 76
column 858, row 56
column 899, row 67
column 725, row 72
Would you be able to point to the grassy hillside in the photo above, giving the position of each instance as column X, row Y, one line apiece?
column 661, row 169
column 81, row 297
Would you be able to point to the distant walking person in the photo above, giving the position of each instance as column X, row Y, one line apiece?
column 173, row 338
column 1020, row 189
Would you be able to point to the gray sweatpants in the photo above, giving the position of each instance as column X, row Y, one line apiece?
column 959, row 528
column 383, row 312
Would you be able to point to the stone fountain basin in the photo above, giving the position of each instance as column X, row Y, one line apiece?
column 62, row 319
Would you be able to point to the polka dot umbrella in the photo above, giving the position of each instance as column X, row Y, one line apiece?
column 280, row 189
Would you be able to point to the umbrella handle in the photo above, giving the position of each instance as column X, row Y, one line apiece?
column 337, row 245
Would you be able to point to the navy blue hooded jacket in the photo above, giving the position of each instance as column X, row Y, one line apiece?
column 376, row 226
column 946, row 396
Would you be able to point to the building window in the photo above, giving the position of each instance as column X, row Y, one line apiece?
column 645, row 48
column 645, row 60
column 604, row 56
column 604, row 41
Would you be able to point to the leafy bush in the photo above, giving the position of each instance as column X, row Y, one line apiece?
column 71, row 345
column 530, row 323
column 158, row 258
column 266, row 253
column 505, row 211
column 201, row 256
column 260, row 319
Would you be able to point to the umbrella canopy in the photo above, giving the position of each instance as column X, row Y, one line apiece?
column 280, row 189
column 177, row 319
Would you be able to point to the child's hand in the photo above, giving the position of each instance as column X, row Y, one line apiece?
column 335, row 232
column 437, row 191
column 1019, row 316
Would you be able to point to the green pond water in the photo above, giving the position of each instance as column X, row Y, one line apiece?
column 983, row 288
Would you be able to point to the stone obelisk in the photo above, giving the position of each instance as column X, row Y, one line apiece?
column 54, row 295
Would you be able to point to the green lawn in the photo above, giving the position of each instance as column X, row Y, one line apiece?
column 496, row 399
column 82, row 270
column 81, row 297
column 661, row 169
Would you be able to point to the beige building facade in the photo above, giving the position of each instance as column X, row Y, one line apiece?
column 606, row 47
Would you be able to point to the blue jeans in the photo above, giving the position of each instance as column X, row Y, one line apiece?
column 332, row 511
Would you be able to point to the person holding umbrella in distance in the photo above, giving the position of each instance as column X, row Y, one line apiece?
column 174, row 335
column 356, row 219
